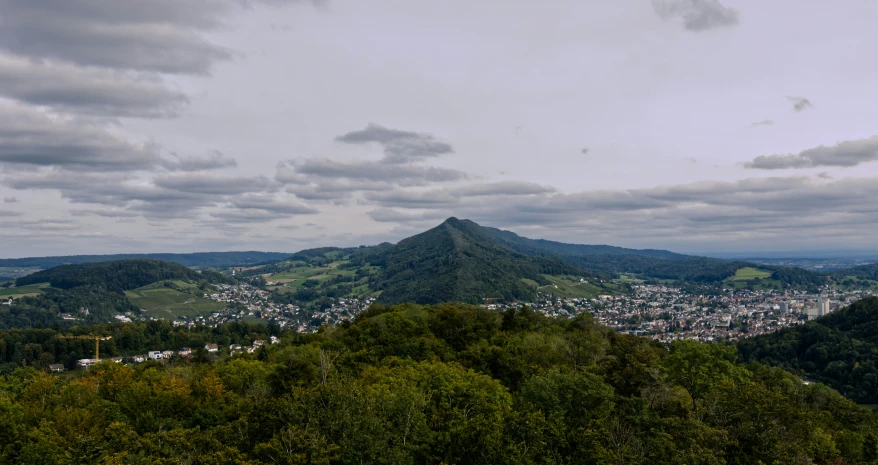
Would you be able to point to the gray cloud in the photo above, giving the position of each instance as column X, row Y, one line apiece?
column 844, row 154
column 502, row 188
column 10, row 200
column 772, row 208
column 91, row 91
column 388, row 215
column 43, row 224
column 212, row 161
column 800, row 103
column 322, row 178
column 7, row 213
column 399, row 146
column 202, row 183
column 584, row 151
column 272, row 205
column 406, row 175
column 697, row 15
column 334, row 189
column 106, row 213
column 160, row 35
column 244, row 216
column 766, row 122
column 117, row 190
column 29, row 137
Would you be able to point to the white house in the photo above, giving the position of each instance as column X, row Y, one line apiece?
column 211, row 348
column 154, row 355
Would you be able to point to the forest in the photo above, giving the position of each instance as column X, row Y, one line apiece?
column 425, row 385
column 840, row 350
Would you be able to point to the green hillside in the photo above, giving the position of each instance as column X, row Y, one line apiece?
column 461, row 261
column 23, row 291
column 840, row 349
column 171, row 300
column 455, row 262
column 100, row 288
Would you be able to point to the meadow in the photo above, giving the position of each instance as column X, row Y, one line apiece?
column 568, row 287
column 159, row 301
column 23, row 291
column 750, row 273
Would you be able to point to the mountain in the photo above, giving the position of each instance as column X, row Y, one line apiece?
column 840, row 350
column 598, row 259
column 195, row 260
column 458, row 261
column 461, row 261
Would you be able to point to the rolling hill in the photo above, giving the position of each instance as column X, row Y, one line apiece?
column 596, row 259
column 103, row 289
column 461, row 261
column 840, row 350
column 194, row 260
column 457, row 262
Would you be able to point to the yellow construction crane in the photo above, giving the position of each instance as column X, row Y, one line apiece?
column 97, row 340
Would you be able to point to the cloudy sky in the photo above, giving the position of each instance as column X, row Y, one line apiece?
column 691, row 125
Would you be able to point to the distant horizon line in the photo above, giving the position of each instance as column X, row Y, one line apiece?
column 790, row 255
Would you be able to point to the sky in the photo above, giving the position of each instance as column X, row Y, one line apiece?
column 699, row 126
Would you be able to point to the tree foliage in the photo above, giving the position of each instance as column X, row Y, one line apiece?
column 840, row 349
column 418, row 385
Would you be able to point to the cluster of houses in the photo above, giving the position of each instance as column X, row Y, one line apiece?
column 185, row 352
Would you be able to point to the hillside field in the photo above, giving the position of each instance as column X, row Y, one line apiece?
column 569, row 287
column 23, row 291
column 750, row 273
column 163, row 302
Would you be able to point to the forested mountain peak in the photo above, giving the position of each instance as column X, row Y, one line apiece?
column 457, row 262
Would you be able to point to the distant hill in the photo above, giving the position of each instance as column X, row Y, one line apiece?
column 869, row 272
column 98, row 287
column 840, row 350
column 461, row 261
column 458, row 262
column 117, row 276
column 608, row 260
column 195, row 260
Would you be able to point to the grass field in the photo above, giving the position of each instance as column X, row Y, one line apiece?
column 23, row 291
column 293, row 279
column 624, row 278
column 749, row 273
column 568, row 287
column 302, row 272
column 163, row 302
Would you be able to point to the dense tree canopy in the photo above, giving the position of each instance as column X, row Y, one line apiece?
column 444, row 384
column 840, row 349
column 117, row 276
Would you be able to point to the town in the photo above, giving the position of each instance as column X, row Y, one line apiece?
column 661, row 312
